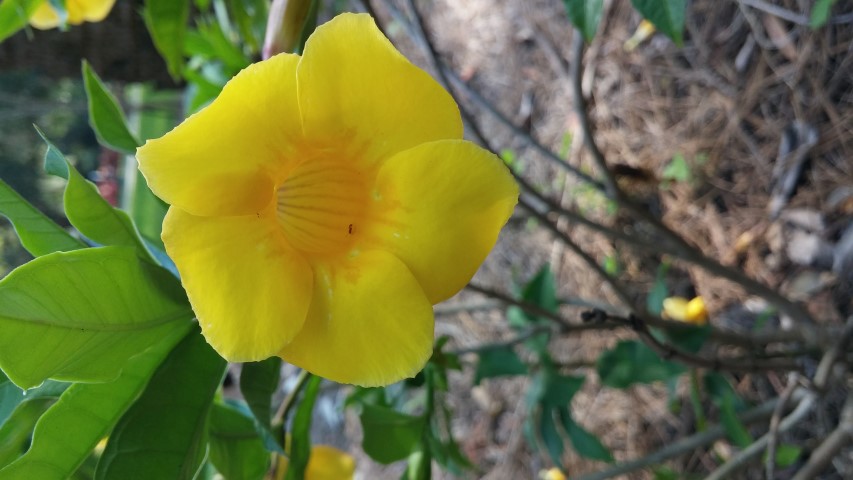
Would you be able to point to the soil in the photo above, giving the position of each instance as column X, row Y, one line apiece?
column 723, row 103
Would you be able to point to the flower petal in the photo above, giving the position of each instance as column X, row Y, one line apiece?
column 225, row 159
column 352, row 82
column 44, row 17
column 441, row 206
column 249, row 289
column 95, row 10
column 369, row 323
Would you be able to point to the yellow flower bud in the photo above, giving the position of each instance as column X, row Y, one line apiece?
column 688, row 311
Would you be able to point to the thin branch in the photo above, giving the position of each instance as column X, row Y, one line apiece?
column 742, row 458
column 841, row 437
column 670, row 243
column 741, row 364
column 682, row 446
column 290, row 399
column 825, row 367
column 777, row 11
column 580, row 107
column 453, row 308
column 773, row 433
column 523, row 336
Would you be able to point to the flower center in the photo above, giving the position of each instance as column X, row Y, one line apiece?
column 321, row 206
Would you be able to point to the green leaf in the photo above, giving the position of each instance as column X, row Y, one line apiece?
column 105, row 116
column 542, row 290
column 419, row 465
column 497, row 362
column 735, row 430
column 14, row 15
column 677, row 170
column 167, row 23
column 80, row 315
column 719, row 387
column 633, row 362
column 559, row 390
column 585, row 15
column 235, row 448
column 84, row 414
column 164, row 434
column 87, row 210
column 300, row 433
column 689, row 338
column 787, row 455
column 18, row 429
column 389, row 435
column 258, row 382
column 820, row 13
column 549, row 435
column 666, row 15
column 11, row 397
column 584, row 442
column 659, row 292
column 38, row 234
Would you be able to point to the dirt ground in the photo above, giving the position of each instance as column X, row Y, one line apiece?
column 723, row 102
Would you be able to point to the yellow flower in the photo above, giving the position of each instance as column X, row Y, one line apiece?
column 324, row 463
column 321, row 204
column 682, row 310
column 79, row 11
column 552, row 474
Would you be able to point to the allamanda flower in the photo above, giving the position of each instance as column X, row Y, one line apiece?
column 321, row 204
column 45, row 16
column 324, row 463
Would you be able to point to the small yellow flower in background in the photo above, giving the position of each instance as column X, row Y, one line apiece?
column 79, row 11
column 324, row 463
column 552, row 474
column 322, row 204
column 645, row 30
column 683, row 310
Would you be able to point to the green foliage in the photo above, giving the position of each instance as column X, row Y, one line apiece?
column 177, row 400
column 633, row 362
column 497, row 362
column 300, row 434
column 87, row 210
column 84, row 414
column 677, row 170
column 235, row 448
column 18, row 428
column 820, row 13
column 51, row 328
column 659, row 292
column 38, row 234
column 585, row 15
column 105, row 115
column 167, row 22
column 787, row 455
column 389, row 435
column 14, row 15
column 666, row 15
column 258, row 382
column 585, row 443
column 729, row 403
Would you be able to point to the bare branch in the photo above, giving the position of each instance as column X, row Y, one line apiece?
column 683, row 446
column 841, row 437
column 742, row 458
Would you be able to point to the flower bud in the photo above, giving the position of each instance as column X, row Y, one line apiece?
column 284, row 26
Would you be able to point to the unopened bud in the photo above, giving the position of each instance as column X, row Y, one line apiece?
column 284, row 26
